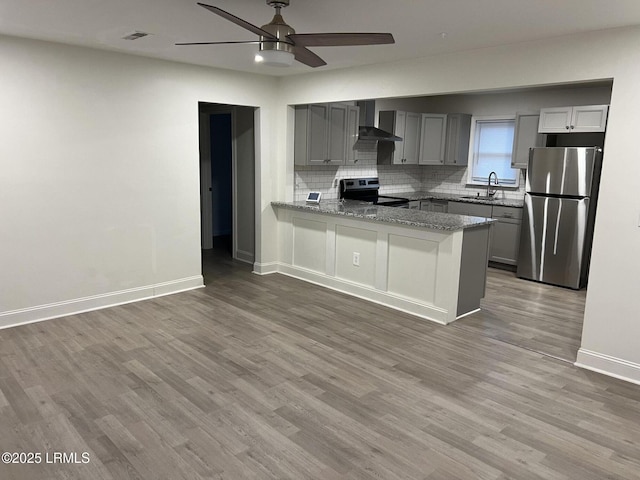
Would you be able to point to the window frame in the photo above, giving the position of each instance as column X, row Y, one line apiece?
column 472, row 140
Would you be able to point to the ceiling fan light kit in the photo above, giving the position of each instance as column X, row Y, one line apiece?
column 279, row 44
column 275, row 58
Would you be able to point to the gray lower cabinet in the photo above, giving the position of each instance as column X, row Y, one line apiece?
column 505, row 236
column 505, row 232
column 471, row 209
column 434, row 205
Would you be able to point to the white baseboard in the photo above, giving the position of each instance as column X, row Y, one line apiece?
column 428, row 312
column 607, row 365
column 265, row 268
column 468, row 313
column 79, row 305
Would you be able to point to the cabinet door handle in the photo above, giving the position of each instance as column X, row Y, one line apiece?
column 567, row 127
column 572, row 127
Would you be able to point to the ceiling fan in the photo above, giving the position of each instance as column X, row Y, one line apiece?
column 279, row 44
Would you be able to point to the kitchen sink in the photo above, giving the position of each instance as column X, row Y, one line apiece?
column 479, row 197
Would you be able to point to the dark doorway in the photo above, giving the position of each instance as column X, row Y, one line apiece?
column 227, row 182
column 221, row 180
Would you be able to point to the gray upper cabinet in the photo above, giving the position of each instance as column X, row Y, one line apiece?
column 405, row 125
column 353, row 122
column 337, row 141
column 457, row 139
column 584, row 118
column 526, row 137
column 321, row 134
column 432, row 139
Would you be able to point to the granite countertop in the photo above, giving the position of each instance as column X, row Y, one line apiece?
column 411, row 196
column 403, row 216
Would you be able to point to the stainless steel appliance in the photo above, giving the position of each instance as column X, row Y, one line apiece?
column 559, row 212
column 366, row 190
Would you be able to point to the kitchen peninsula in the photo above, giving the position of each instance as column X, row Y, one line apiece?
column 429, row 264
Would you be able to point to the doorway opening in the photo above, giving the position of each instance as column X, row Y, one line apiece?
column 227, row 184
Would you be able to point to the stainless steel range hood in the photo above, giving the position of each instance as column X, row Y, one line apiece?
column 366, row 129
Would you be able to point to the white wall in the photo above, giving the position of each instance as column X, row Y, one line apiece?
column 611, row 339
column 99, row 192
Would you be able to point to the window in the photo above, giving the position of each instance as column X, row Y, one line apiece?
column 491, row 150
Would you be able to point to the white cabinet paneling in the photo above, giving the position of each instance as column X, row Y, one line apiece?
column 585, row 118
column 362, row 242
column 590, row 118
column 309, row 244
column 436, row 274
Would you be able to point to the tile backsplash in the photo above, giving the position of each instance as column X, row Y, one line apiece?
column 393, row 178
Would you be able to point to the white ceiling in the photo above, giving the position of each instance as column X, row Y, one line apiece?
column 416, row 25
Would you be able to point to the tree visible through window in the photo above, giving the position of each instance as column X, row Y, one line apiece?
column 492, row 147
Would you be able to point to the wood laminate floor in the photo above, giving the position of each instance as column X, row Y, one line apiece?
column 272, row 378
column 543, row 318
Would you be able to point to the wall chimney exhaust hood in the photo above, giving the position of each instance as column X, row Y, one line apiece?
column 366, row 130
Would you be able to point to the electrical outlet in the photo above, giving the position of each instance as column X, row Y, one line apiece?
column 356, row 259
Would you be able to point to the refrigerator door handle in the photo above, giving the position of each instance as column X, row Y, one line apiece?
column 555, row 239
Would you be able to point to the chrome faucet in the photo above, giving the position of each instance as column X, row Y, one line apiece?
column 489, row 192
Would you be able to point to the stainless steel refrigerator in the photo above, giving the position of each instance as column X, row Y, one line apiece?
column 559, row 212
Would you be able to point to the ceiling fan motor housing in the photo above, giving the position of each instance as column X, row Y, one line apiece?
column 279, row 29
column 278, row 3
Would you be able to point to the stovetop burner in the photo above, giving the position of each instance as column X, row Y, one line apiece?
column 366, row 190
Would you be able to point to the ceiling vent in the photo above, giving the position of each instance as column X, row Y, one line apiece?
column 135, row 36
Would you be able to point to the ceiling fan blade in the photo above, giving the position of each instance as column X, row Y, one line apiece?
column 238, row 21
column 245, row 42
column 340, row 39
column 307, row 57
